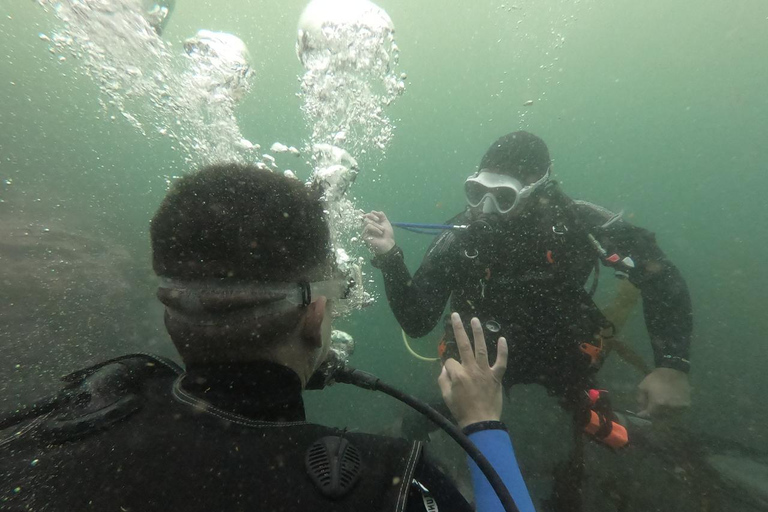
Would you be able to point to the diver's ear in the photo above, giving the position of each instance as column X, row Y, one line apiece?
column 312, row 329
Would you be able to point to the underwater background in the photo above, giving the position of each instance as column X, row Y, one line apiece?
column 656, row 108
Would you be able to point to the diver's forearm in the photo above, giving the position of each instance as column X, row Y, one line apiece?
column 416, row 311
column 669, row 319
column 496, row 445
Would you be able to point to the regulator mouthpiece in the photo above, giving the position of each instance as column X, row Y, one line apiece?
column 342, row 346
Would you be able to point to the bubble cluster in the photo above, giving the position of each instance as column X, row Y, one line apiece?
column 217, row 76
column 347, row 48
column 349, row 53
column 187, row 97
column 335, row 172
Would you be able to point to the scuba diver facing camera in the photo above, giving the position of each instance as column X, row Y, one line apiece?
column 519, row 259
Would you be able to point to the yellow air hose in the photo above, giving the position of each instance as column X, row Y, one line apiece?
column 413, row 353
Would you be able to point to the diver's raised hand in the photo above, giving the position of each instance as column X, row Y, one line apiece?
column 378, row 232
column 663, row 388
column 472, row 389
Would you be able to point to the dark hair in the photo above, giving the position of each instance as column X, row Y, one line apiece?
column 238, row 221
column 521, row 155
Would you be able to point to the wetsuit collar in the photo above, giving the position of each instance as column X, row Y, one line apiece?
column 258, row 390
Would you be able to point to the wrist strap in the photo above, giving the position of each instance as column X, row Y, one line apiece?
column 675, row 363
column 484, row 425
column 383, row 260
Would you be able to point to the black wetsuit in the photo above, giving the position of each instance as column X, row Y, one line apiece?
column 225, row 438
column 526, row 281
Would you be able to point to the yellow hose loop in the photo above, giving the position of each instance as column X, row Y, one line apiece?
column 413, row 353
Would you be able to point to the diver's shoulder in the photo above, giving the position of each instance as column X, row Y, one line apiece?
column 92, row 400
column 442, row 246
column 443, row 243
column 595, row 215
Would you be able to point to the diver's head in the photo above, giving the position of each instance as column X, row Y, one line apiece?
column 510, row 172
column 246, row 267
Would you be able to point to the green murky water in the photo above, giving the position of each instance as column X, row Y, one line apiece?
column 656, row 108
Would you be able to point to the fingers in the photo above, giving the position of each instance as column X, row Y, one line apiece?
column 481, row 350
column 452, row 368
column 377, row 217
column 465, row 349
column 444, row 381
column 500, row 365
column 372, row 230
column 370, row 219
column 448, row 376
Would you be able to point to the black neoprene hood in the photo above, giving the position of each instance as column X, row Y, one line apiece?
column 518, row 154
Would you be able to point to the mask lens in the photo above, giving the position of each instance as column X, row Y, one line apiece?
column 505, row 198
column 474, row 192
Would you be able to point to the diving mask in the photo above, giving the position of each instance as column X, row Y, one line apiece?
column 498, row 193
column 209, row 300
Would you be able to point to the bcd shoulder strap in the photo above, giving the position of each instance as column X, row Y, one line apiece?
column 92, row 399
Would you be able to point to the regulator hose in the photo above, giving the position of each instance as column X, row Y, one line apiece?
column 366, row 380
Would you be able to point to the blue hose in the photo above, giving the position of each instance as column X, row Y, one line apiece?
column 426, row 229
column 422, row 231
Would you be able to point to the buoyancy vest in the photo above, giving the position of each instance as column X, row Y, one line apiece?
column 519, row 274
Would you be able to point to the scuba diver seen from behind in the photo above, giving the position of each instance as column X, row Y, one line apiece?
column 250, row 287
column 521, row 263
